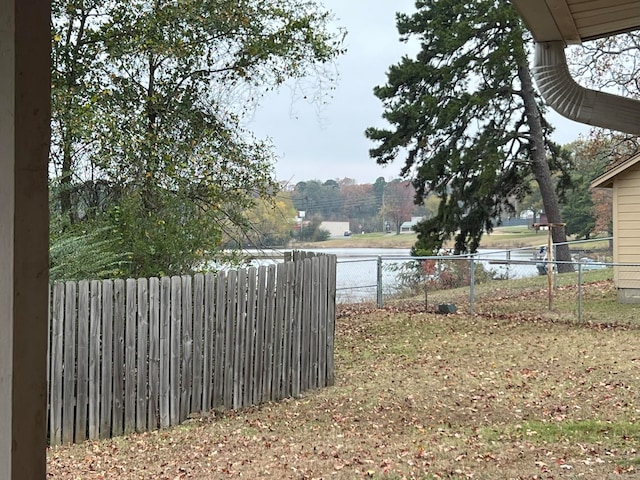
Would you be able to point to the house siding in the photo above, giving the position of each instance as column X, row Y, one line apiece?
column 626, row 219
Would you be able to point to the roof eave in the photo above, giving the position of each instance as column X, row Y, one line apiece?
column 606, row 179
column 549, row 20
column 564, row 20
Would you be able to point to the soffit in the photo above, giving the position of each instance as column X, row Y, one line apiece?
column 576, row 21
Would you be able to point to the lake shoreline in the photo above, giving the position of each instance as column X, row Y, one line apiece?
column 502, row 240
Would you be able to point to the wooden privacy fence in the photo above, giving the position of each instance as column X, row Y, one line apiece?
column 136, row 355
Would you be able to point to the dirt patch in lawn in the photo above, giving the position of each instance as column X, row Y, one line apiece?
column 417, row 395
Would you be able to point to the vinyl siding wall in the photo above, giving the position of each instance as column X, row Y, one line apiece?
column 626, row 221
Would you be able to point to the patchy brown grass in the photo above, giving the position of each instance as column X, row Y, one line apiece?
column 417, row 395
column 502, row 237
column 367, row 240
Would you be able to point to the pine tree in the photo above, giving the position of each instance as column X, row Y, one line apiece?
column 465, row 115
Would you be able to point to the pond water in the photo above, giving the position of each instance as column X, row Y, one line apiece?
column 357, row 269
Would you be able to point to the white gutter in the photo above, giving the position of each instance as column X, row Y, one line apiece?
column 573, row 101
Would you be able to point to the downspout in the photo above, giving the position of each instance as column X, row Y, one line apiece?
column 573, row 101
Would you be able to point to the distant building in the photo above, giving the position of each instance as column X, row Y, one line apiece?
column 335, row 229
column 407, row 227
column 542, row 222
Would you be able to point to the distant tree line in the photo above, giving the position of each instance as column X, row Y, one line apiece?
column 385, row 205
column 368, row 207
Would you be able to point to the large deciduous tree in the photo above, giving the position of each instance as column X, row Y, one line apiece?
column 360, row 206
column 611, row 63
column 157, row 90
column 270, row 223
column 398, row 205
column 77, row 85
column 465, row 115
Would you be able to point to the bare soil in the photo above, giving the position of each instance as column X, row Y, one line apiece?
column 419, row 396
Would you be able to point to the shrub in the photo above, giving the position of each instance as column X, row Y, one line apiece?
column 435, row 273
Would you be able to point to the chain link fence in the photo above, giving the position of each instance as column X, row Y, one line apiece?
column 525, row 280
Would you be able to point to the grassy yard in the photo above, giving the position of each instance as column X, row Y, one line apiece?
column 367, row 240
column 500, row 395
column 502, row 237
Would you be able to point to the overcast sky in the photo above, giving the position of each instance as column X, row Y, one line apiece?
column 328, row 142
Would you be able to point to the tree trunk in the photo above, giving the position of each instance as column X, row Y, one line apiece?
column 542, row 172
column 66, row 184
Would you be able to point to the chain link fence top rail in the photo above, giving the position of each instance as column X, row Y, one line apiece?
column 517, row 279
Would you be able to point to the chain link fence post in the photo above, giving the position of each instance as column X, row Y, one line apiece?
column 379, row 283
column 472, row 283
column 580, row 292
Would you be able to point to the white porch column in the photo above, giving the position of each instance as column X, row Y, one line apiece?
column 24, row 236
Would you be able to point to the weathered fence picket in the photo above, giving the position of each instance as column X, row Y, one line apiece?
column 217, row 354
column 261, row 315
column 306, row 325
column 165, row 352
column 130, row 363
column 277, row 339
column 198, row 314
column 269, row 335
column 68, row 366
column 208, row 335
column 135, row 355
column 238, row 344
column 331, row 321
column 142, row 322
column 106, row 398
column 55, row 388
column 117, row 422
column 250, row 336
column 95, row 349
column 296, row 330
column 322, row 326
column 186, row 366
column 82, row 387
column 229, row 336
column 175, row 326
column 153, row 407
